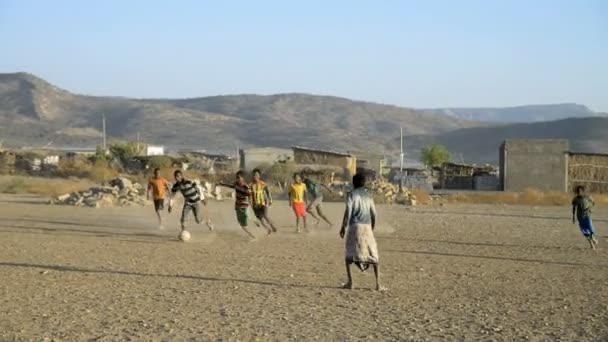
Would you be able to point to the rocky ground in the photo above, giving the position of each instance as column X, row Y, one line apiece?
column 457, row 273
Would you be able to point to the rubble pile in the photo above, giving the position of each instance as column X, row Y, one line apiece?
column 120, row 192
column 392, row 193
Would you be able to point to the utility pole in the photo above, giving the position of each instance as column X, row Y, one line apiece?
column 238, row 157
column 401, row 156
column 103, row 124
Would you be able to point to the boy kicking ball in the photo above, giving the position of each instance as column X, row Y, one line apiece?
column 581, row 212
column 192, row 199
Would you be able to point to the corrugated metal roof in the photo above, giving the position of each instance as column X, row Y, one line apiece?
column 302, row 148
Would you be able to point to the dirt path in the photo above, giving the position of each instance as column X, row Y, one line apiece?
column 458, row 273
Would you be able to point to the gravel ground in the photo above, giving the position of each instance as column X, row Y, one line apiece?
column 457, row 273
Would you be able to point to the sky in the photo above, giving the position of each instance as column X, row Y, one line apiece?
column 422, row 54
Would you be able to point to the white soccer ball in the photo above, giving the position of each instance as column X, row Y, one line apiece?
column 184, row 235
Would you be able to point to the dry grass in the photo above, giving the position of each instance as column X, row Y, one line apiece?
column 99, row 172
column 528, row 197
column 41, row 186
column 422, row 197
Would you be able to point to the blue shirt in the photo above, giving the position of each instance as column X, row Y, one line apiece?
column 360, row 208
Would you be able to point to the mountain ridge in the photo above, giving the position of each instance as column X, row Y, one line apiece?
column 34, row 112
column 32, row 107
column 518, row 114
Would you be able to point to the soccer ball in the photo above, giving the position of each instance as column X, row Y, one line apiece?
column 184, row 235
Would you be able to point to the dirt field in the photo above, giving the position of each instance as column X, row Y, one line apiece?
column 457, row 273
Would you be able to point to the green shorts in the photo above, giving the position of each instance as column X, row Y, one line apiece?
column 242, row 216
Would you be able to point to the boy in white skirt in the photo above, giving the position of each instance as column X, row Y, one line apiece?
column 358, row 226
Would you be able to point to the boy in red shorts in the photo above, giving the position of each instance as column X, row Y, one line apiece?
column 297, row 200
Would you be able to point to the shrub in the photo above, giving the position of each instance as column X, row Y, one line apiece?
column 161, row 162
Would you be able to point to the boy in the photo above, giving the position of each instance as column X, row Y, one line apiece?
column 358, row 227
column 192, row 198
column 159, row 188
column 262, row 200
column 581, row 211
column 316, row 196
column 297, row 201
column 241, row 204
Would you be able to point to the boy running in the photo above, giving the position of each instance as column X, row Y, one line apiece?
column 297, row 200
column 316, row 200
column 261, row 201
column 159, row 188
column 241, row 204
column 581, row 211
column 192, row 198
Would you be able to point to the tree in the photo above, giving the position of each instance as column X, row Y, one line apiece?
column 124, row 151
column 434, row 155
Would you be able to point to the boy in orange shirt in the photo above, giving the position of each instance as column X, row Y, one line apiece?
column 297, row 200
column 159, row 188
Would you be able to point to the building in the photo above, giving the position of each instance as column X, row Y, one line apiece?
column 254, row 157
column 372, row 162
column 152, row 150
column 589, row 170
column 455, row 176
column 309, row 156
column 534, row 164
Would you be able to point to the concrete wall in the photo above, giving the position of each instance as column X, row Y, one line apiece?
column 486, row 183
column 306, row 157
column 457, row 183
column 534, row 163
column 252, row 158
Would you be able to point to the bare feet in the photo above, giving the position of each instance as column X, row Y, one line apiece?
column 210, row 226
column 381, row 288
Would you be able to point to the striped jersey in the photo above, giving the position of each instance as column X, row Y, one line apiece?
column 189, row 190
column 261, row 194
column 242, row 193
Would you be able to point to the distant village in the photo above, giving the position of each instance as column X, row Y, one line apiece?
column 546, row 165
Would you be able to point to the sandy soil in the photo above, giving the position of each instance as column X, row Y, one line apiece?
column 458, row 273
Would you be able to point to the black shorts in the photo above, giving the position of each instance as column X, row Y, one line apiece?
column 260, row 212
column 159, row 204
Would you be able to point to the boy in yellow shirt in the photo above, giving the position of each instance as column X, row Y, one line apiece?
column 297, row 200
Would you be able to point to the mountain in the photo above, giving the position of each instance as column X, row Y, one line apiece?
column 34, row 112
column 532, row 113
column 480, row 144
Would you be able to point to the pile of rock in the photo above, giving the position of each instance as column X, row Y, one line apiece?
column 120, row 192
column 391, row 193
column 406, row 198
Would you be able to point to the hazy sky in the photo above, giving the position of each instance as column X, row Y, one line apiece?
column 409, row 53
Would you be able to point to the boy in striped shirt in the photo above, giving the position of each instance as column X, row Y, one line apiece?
column 243, row 198
column 192, row 198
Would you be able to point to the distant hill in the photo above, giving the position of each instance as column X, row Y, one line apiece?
column 532, row 113
column 480, row 144
column 34, row 112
